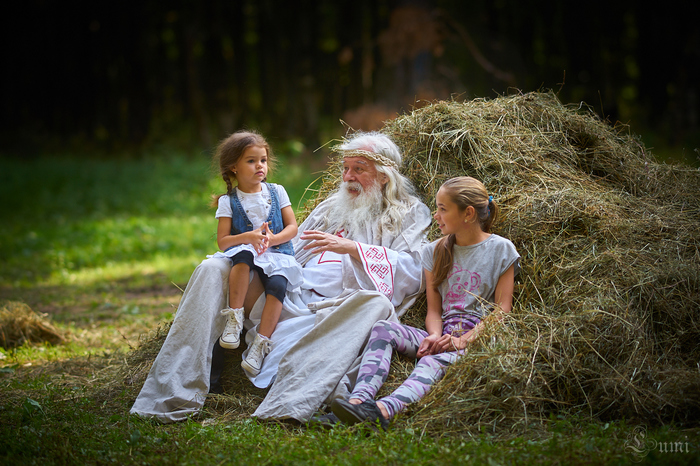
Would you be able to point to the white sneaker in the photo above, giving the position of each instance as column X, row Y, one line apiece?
column 260, row 348
column 231, row 337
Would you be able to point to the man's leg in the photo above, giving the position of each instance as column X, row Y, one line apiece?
column 312, row 368
column 218, row 362
column 178, row 381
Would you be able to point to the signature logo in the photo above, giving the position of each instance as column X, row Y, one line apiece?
column 639, row 444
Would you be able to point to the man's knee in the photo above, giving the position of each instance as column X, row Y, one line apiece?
column 212, row 269
column 376, row 300
column 375, row 295
column 214, row 265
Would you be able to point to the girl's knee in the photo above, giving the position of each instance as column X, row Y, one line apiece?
column 382, row 329
column 440, row 360
column 243, row 257
column 382, row 324
column 276, row 286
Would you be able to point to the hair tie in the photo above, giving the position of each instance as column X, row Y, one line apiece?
column 490, row 199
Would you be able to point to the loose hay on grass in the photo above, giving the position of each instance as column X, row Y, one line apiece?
column 19, row 324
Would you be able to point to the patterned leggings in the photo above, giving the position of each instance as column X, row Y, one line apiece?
column 388, row 336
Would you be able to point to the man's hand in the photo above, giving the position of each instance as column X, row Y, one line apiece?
column 321, row 241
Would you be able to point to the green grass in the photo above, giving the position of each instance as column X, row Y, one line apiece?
column 47, row 432
column 72, row 220
column 103, row 247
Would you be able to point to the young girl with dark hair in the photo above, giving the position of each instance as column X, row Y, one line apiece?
column 256, row 225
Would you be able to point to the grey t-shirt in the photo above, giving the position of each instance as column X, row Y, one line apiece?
column 470, row 286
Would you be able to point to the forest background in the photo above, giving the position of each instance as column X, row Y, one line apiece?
column 116, row 76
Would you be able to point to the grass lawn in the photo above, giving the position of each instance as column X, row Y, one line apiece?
column 103, row 248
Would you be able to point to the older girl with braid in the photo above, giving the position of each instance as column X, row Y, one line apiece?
column 469, row 273
column 256, row 224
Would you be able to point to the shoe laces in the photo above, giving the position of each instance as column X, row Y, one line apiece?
column 233, row 323
column 260, row 350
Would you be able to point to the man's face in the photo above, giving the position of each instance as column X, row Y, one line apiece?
column 362, row 171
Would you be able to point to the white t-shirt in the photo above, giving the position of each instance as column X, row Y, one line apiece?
column 256, row 205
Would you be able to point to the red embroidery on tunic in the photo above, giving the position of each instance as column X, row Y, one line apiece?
column 321, row 261
column 379, row 268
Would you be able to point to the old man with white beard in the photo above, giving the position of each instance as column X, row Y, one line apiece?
column 359, row 250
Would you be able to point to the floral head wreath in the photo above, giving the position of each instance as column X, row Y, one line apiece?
column 375, row 157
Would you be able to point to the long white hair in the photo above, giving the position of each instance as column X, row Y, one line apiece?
column 397, row 194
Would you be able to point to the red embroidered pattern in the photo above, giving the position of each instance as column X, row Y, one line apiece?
column 379, row 268
column 386, row 290
column 375, row 254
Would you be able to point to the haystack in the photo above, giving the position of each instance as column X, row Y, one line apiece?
column 606, row 321
column 606, row 318
column 19, row 324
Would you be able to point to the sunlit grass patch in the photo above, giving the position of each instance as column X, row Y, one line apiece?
column 107, row 248
column 84, row 220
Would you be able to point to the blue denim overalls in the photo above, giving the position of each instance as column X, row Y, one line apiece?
column 240, row 223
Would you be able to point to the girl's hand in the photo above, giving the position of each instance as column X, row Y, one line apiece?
column 268, row 234
column 259, row 239
column 448, row 343
column 442, row 345
column 426, row 345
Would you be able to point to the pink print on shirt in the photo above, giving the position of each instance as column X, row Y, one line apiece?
column 465, row 282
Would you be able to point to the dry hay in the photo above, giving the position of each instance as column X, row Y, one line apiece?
column 606, row 320
column 20, row 325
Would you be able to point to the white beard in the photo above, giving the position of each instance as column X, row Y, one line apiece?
column 354, row 214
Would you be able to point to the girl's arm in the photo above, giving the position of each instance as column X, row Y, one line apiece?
column 433, row 318
column 504, row 291
column 288, row 232
column 224, row 238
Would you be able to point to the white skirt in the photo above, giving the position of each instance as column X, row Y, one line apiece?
column 272, row 263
